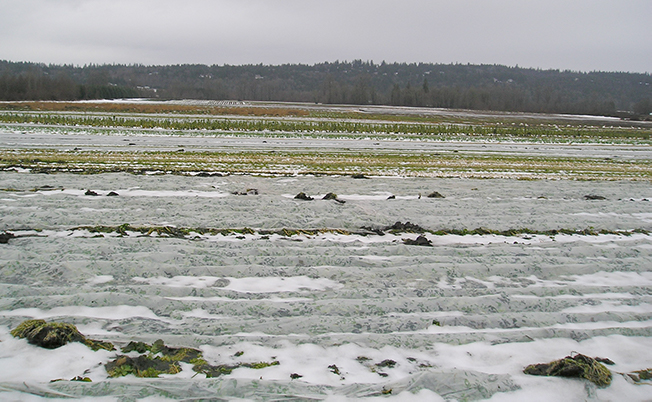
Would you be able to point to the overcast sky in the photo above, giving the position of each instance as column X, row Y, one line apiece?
column 583, row 35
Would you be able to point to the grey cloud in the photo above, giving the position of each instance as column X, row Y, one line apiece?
column 579, row 34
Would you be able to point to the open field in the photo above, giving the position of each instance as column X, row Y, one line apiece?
column 527, row 250
column 169, row 137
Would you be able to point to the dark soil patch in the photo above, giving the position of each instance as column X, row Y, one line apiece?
column 303, row 196
column 419, row 241
column 5, row 236
column 406, row 227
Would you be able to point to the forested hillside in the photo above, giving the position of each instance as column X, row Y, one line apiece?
column 490, row 87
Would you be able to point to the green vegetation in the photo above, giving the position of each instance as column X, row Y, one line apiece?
column 142, row 366
column 180, row 121
column 337, row 128
column 193, row 233
column 578, row 366
column 30, row 85
column 55, row 334
column 47, row 335
column 157, row 359
column 343, row 163
column 152, row 361
column 458, row 86
column 641, row 376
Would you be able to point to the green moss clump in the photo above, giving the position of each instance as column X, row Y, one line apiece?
column 213, row 371
column 645, row 374
column 482, row 231
column 169, row 354
column 141, row 366
column 157, row 359
column 641, row 375
column 260, row 365
column 151, row 372
column 157, row 346
column 387, row 363
column 47, row 335
column 201, row 366
column 579, row 366
column 120, row 370
column 248, row 231
column 97, row 345
column 55, row 334
column 288, row 232
column 122, row 229
column 303, row 196
column 185, row 355
column 139, row 347
column 198, row 361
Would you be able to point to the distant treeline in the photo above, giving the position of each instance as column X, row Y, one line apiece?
column 480, row 87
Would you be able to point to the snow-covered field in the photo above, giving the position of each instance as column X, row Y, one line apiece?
column 353, row 313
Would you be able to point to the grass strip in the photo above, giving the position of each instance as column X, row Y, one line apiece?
column 403, row 164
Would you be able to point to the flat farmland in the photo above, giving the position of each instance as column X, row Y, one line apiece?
column 433, row 254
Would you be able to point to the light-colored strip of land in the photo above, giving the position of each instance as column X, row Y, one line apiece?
column 181, row 138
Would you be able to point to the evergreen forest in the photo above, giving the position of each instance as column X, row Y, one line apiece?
column 458, row 86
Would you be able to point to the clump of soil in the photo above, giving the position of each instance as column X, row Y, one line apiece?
column 249, row 191
column 333, row 196
column 303, row 196
column 578, row 366
column 405, row 227
column 389, row 363
column 594, row 197
column 334, row 369
column 209, row 174
column 5, row 236
column 375, row 368
column 419, row 241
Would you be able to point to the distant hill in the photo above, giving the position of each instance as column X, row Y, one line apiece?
column 480, row 87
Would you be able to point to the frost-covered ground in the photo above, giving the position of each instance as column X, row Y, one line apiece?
column 27, row 137
column 460, row 320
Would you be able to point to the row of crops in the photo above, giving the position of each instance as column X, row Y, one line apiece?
column 540, row 132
